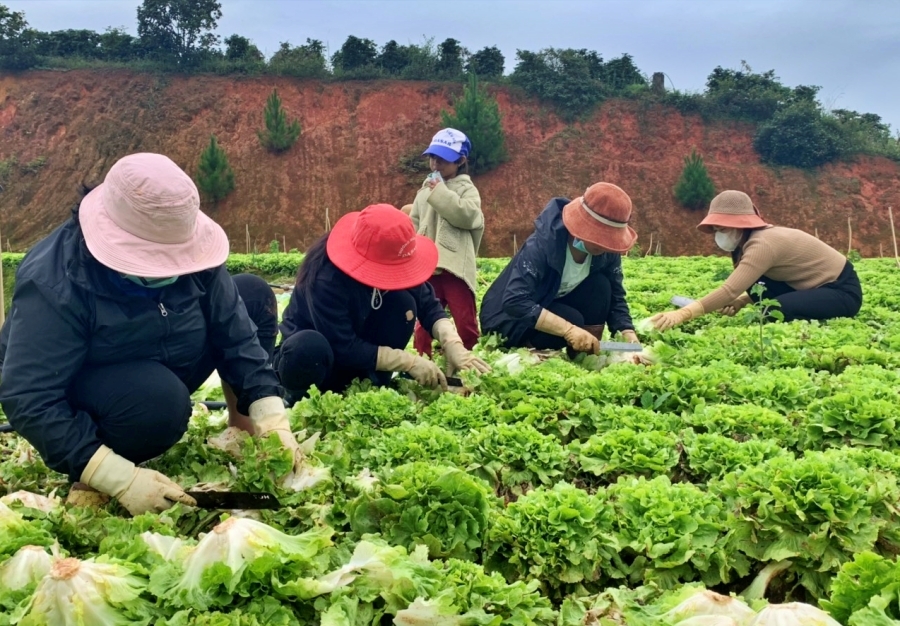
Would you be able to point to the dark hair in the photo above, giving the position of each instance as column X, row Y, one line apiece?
column 738, row 252
column 312, row 263
column 462, row 168
column 82, row 193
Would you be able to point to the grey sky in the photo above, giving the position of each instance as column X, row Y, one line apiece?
column 851, row 48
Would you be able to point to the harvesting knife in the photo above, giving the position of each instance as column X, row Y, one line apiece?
column 228, row 500
column 620, row 346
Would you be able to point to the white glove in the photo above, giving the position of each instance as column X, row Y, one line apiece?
column 423, row 371
column 137, row 489
column 269, row 416
column 458, row 358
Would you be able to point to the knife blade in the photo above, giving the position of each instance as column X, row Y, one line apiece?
column 620, row 346
column 234, row 500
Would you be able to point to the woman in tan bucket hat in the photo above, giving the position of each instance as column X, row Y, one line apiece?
column 117, row 317
column 565, row 284
column 810, row 279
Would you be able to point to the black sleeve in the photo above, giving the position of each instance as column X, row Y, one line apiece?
column 48, row 340
column 619, row 315
column 428, row 307
column 529, row 269
column 244, row 362
column 331, row 307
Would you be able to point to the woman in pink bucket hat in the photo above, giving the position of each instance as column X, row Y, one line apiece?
column 809, row 279
column 565, row 284
column 358, row 294
column 117, row 317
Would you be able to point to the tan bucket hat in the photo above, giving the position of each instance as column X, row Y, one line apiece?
column 732, row 209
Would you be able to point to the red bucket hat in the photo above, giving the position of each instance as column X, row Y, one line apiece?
column 732, row 209
column 379, row 247
column 601, row 217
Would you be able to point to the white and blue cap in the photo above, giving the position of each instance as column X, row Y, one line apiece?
column 449, row 144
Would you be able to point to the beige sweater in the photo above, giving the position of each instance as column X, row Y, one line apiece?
column 785, row 254
column 450, row 215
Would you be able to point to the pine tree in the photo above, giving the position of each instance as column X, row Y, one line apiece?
column 215, row 178
column 695, row 188
column 477, row 115
column 279, row 134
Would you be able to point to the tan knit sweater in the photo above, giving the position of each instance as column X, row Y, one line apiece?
column 451, row 216
column 786, row 254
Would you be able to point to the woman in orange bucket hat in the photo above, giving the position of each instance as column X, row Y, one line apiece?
column 809, row 279
column 565, row 284
column 358, row 294
column 117, row 317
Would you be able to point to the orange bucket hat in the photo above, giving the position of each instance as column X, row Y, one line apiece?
column 732, row 209
column 601, row 217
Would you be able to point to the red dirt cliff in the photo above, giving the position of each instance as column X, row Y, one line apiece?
column 354, row 135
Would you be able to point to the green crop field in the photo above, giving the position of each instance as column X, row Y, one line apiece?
column 749, row 459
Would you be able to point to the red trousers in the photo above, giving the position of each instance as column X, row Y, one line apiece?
column 454, row 294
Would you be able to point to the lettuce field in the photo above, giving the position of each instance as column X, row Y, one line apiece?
column 756, row 461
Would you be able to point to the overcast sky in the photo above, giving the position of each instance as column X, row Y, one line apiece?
column 851, row 48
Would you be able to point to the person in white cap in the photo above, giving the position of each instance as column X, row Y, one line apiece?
column 447, row 210
column 117, row 317
column 809, row 279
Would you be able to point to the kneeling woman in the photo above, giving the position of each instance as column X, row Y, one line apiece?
column 117, row 317
column 810, row 279
column 358, row 294
column 565, row 284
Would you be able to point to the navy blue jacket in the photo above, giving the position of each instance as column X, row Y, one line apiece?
column 69, row 312
column 338, row 307
column 530, row 282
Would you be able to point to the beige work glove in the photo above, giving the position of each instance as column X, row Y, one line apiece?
column 670, row 319
column 423, row 371
column 739, row 303
column 458, row 358
column 630, row 336
column 578, row 338
column 137, row 489
column 269, row 416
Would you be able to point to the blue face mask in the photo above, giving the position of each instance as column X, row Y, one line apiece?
column 578, row 244
column 150, row 283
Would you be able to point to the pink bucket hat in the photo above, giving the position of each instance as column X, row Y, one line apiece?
column 145, row 220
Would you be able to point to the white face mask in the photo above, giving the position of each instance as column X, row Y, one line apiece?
column 728, row 239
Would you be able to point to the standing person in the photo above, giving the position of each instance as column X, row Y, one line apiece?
column 810, row 279
column 565, row 284
column 447, row 210
column 117, row 317
column 358, row 294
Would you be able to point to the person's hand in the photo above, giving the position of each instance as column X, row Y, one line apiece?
column 433, row 182
column 427, row 373
column 581, row 340
column 670, row 319
column 458, row 358
column 731, row 309
column 269, row 416
column 630, row 336
column 137, row 489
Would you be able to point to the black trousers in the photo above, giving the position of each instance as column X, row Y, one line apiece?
column 842, row 298
column 586, row 305
column 142, row 408
column 306, row 358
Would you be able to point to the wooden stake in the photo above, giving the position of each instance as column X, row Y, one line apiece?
column 283, row 243
column 327, row 221
column 880, row 251
column 247, row 226
column 894, row 235
column 650, row 248
column 657, row 247
column 817, row 233
column 515, row 245
column 849, row 237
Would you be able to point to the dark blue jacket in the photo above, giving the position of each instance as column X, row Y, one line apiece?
column 530, row 282
column 338, row 307
column 69, row 312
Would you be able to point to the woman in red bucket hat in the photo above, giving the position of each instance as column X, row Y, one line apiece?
column 809, row 278
column 565, row 284
column 118, row 316
column 358, row 295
